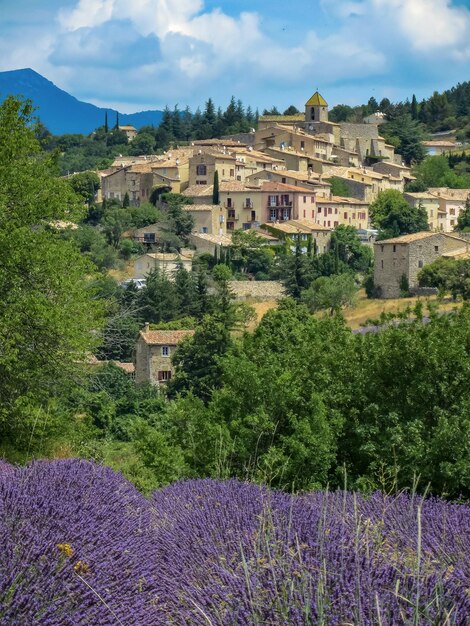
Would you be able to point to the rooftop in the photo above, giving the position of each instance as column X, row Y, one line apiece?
column 316, row 100
column 165, row 337
column 408, row 238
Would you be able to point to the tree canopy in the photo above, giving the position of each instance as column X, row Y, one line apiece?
column 393, row 216
column 48, row 315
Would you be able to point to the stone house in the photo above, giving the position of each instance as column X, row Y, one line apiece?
column 336, row 210
column 208, row 218
column 166, row 262
column 308, row 179
column 202, row 167
column 451, row 202
column 430, row 203
column 208, row 244
column 153, row 353
column 129, row 131
column 436, row 147
column 302, row 230
column 401, row 258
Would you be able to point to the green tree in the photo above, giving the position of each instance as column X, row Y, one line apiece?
column 86, row 184
column 463, row 221
column 215, row 190
column 391, row 213
column 349, row 249
column 197, row 360
column 331, row 292
column 48, row 316
column 410, row 136
column 339, row 187
column 291, row 110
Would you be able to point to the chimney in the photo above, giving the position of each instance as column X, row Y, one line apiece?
column 146, row 327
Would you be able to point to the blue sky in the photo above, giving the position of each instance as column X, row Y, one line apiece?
column 144, row 54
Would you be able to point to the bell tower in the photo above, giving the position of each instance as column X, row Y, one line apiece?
column 316, row 109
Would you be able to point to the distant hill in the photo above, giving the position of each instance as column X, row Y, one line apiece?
column 62, row 113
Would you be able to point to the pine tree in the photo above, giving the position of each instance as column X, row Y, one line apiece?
column 414, row 108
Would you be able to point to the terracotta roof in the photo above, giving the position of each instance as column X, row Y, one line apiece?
column 341, row 200
column 200, row 207
column 298, row 117
column 223, row 240
column 127, row 367
column 165, row 337
column 310, row 224
column 167, row 256
column 287, row 227
column 237, row 185
column 461, row 253
column 316, row 100
column 127, row 127
column 198, row 190
column 270, row 185
column 217, row 142
column 439, row 144
column 408, row 238
column 141, row 168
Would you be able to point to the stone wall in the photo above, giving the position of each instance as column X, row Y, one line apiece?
column 257, row 290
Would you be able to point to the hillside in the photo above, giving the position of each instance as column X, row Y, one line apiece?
column 59, row 111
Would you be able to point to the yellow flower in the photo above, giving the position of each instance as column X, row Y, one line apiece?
column 81, row 567
column 66, row 549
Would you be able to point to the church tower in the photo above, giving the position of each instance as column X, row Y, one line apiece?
column 316, row 109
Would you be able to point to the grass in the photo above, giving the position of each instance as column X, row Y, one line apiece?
column 365, row 309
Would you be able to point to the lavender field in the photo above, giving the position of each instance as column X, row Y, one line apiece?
column 80, row 546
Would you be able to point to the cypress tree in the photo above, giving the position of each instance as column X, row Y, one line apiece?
column 106, row 122
column 215, row 191
column 117, row 121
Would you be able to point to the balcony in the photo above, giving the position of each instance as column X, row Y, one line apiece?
column 279, row 205
column 232, row 216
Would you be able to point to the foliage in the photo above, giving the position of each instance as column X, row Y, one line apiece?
column 86, row 184
column 393, row 216
column 47, row 313
column 339, row 187
column 448, row 276
column 410, row 135
column 435, row 171
column 463, row 221
column 346, row 244
column 331, row 292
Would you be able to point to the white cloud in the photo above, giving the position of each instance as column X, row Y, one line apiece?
column 165, row 51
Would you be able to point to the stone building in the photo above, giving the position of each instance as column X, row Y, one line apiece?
column 209, row 219
column 153, row 353
column 399, row 260
column 166, row 262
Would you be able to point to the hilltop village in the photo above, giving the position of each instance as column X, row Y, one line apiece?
column 279, row 181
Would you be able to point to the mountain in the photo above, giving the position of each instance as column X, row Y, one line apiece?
column 62, row 113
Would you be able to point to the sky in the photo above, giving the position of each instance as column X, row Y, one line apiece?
column 135, row 55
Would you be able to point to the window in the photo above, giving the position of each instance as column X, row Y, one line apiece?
column 436, row 248
column 304, row 237
column 305, row 199
column 302, row 145
column 149, row 237
column 318, row 210
column 312, row 200
column 204, row 229
column 330, row 210
column 420, row 264
column 394, row 248
column 283, row 179
column 272, row 215
column 201, row 170
column 201, row 182
column 165, row 350
column 163, row 376
column 272, row 200
column 232, row 173
column 345, row 216
column 285, row 214
column 229, row 203
column 381, row 263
